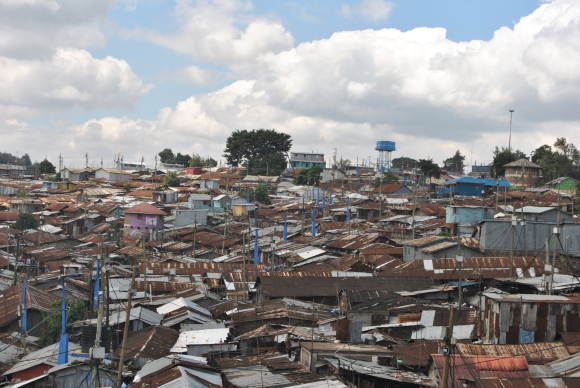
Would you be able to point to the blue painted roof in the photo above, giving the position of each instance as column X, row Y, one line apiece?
column 486, row 181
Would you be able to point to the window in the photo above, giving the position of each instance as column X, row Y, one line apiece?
column 139, row 216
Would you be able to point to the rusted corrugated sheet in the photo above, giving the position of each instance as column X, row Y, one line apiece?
column 153, row 342
column 472, row 367
column 534, row 353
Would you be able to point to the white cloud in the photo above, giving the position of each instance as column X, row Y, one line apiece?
column 429, row 94
column 208, row 31
column 35, row 28
column 192, row 75
column 345, row 11
column 374, row 9
column 70, row 78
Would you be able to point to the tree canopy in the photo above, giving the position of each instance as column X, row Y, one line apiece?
column 166, row 156
column 171, row 180
column 257, row 194
column 25, row 221
column 503, row 157
column 455, row 163
column 388, row 177
column 309, row 176
column 342, row 164
column 182, row 159
column 200, row 161
column 257, row 148
column 403, row 163
column 45, row 167
column 563, row 159
column 430, row 169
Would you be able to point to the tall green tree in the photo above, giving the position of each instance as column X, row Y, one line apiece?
column 540, row 153
column 271, row 165
column 25, row 160
column 503, row 157
column 430, row 169
column 45, row 167
column 560, row 161
column 309, row 176
column 171, row 180
column 25, row 221
column 166, row 156
column 455, row 163
column 244, row 147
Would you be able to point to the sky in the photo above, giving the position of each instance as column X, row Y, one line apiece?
column 103, row 77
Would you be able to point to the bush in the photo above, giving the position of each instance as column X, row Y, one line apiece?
column 52, row 327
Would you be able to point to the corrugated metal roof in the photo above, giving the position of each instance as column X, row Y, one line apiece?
column 199, row 337
column 152, row 342
column 47, row 355
column 537, row 352
column 471, row 367
column 380, row 371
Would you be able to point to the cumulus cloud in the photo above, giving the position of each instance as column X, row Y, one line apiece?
column 35, row 28
column 192, row 75
column 375, row 9
column 70, row 78
column 429, row 94
column 208, row 31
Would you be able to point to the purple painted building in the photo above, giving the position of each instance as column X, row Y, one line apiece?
column 141, row 219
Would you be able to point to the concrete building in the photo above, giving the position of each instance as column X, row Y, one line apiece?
column 26, row 206
column 306, row 159
column 12, row 169
column 523, row 173
column 143, row 220
column 112, row 174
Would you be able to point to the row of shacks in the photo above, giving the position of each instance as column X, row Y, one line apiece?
column 358, row 295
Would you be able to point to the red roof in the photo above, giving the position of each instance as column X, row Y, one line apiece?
column 145, row 208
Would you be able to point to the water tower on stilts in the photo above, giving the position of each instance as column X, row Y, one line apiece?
column 385, row 149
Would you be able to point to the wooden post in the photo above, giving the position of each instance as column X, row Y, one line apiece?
column 449, row 345
column 126, row 332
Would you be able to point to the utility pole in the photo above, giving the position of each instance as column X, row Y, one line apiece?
column 126, row 331
column 459, row 260
column 556, row 234
column 450, row 345
column 548, row 277
column 514, row 222
column 87, row 159
column 510, row 142
column 414, row 201
column 523, row 224
column 194, row 234
column 224, row 240
column 144, row 268
column 95, row 368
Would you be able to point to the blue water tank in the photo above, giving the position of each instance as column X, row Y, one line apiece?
column 386, row 146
